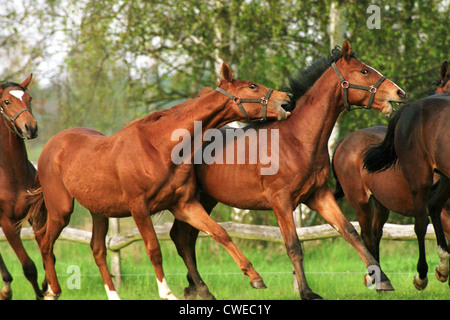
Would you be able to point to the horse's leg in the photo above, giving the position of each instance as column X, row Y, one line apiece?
column 420, row 179
column 98, row 246
column 142, row 218
column 193, row 213
column 420, row 228
column 283, row 213
column 184, row 236
column 445, row 220
column 28, row 266
column 5, row 292
column 435, row 204
column 380, row 216
column 59, row 208
column 359, row 200
column 323, row 201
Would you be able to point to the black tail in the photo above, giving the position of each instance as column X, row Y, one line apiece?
column 382, row 156
column 338, row 191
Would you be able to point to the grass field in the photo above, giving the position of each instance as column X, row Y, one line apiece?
column 333, row 268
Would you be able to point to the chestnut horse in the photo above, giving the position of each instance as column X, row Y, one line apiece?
column 418, row 138
column 16, row 175
column 321, row 92
column 133, row 172
column 373, row 195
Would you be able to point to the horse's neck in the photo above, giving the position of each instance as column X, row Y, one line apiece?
column 317, row 111
column 212, row 113
column 205, row 111
column 194, row 117
column 13, row 153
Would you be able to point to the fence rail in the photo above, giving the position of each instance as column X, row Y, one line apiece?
column 235, row 230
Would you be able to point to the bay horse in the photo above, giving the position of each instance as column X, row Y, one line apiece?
column 443, row 84
column 373, row 195
column 133, row 172
column 16, row 175
column 418, row 139
column 321, row 92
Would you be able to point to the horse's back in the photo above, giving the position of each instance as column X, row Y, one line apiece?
column 423, row 131
column 358, row 183
column 67, row 151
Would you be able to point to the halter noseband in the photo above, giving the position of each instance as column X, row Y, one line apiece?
column 12, row 120
column 264, row 101
column 346, row 85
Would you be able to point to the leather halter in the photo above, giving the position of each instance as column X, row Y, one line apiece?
column 264, row 101
column 346, row 85
column 12, row 120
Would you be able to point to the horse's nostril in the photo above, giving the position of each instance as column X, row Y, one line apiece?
column 31, row 132
column 401, row 93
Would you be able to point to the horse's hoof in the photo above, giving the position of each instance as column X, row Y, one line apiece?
column 441, row 277
column 380, row 286
column 310, row 296
column 190, row 294
column 258, row 284
column 420, row 284
column 5, row 295
column 385, row 286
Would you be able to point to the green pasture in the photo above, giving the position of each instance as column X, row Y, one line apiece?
column 333, row 268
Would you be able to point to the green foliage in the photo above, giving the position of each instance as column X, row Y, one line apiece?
column 126, row 58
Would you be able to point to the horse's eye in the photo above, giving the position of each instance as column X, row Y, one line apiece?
column 364, row 71
column 6, row 102
column 253, row 86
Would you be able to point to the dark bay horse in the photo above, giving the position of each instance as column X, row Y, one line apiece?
column 418, row 139
column 16, row 175
column 133, row 172
column 321, row 92
column 373, row 195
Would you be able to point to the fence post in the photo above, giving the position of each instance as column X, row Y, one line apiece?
column 115, row 255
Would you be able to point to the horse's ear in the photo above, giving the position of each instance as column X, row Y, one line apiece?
column 346, row 50
column 26, row 82
column 226, row 72
column 444, row 70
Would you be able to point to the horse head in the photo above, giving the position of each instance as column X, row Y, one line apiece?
column 15, row 108
column 364, row 86
column 245, row 97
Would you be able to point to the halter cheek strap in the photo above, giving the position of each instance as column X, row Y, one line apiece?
column 346, row 85
column 264, row 101
column 12, row 120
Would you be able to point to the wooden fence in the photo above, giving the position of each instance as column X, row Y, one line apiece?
column 120, row 240
column 235, row 230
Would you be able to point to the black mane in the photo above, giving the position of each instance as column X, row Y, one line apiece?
column 307, row 77
column 11, row 84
